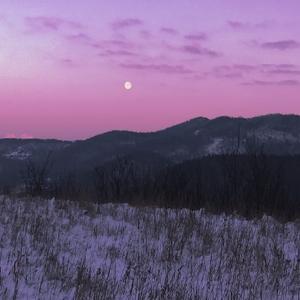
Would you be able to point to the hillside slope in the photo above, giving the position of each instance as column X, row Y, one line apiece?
column 278, row 134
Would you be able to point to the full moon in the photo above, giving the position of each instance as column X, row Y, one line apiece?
column 128, row 85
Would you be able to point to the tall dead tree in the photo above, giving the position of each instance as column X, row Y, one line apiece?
column 35, row 176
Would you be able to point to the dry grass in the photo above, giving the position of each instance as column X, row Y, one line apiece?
column 58, row 250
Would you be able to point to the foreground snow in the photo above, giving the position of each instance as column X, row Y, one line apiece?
column 58, row 250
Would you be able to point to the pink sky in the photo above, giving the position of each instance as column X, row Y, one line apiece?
column 63, row 63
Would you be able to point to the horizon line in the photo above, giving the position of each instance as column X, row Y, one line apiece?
column 144, row 132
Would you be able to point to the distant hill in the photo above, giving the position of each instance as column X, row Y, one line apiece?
column 277, row 134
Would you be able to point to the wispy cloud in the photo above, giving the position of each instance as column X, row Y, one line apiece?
column 196, row 37
column 238, row 25
column 113, row 47
column 109, row 52
column 85, row 40
column 281, row 45
column 281, row 69
column 68, row 62
column 126, row 23
column 232, row 71
column 197, row 50
column 230, row 74
column 162, row 68
column 80, row 38
column 124, row 44
column 43, row 23
column 146, row 34
column 283, row 66
column 273, row 83
column 235, row 67
column 169, row 30
column 267, row 70
column 284, row 72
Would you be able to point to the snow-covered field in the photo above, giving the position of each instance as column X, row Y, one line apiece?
column 60, row 250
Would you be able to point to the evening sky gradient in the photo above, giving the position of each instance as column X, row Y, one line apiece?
column 63, row 63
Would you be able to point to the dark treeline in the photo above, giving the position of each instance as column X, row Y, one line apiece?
column 250, row 185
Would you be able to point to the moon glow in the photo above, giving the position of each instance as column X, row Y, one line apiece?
column 128, row 85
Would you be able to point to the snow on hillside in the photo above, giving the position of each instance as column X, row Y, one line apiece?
column 61, row 250
column 216, row 146
column 267, row 134
column 18, row 154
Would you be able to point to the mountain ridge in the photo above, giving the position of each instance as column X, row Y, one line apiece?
column 115, row 131
column 194, row 138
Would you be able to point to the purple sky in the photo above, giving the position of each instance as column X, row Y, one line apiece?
column 63, row 63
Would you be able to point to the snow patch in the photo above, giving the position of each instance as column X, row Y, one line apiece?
column 196, row 132
column 215, row 147
column 58, row 250
column 18, row 154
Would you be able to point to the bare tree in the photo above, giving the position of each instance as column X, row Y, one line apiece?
column 35, row 176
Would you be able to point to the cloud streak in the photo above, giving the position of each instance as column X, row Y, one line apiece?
column 200, row 51
column 80, row 38
column 44, row 24
column 238, row 25
column 196, row 37
column 68, row 63
column 281, row 45
column 273, row 83
column 237, row 71
column 161, row 68
column 232, row 71
column 169, row 30
column 284, row 72
column 109, row 52
column 126, row 23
